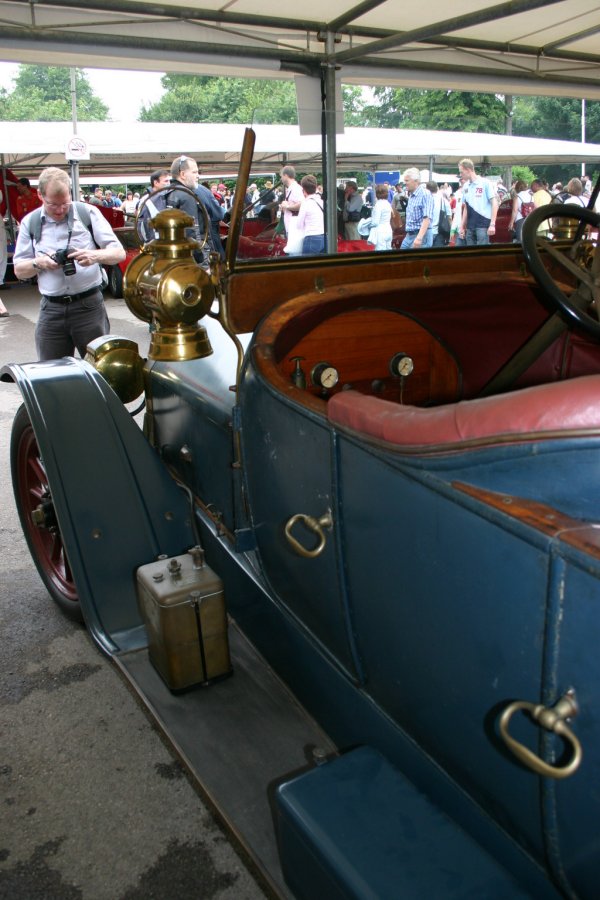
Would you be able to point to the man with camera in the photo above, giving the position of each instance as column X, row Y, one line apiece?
column 66, row 244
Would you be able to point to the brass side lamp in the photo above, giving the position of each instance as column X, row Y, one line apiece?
column 165, row 286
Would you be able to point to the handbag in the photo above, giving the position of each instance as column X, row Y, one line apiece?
column 295, row 239
column 444, row 227
column 364, row 227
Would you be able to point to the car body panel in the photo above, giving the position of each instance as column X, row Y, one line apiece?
column 108, row 483
column 454, row 574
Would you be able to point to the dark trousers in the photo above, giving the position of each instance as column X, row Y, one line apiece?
column 64, row 327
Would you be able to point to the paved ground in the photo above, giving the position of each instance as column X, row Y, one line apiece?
column 92, row 803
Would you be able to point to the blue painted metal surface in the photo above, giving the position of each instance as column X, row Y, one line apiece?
column 356, row 829
column 428, row 611
column 349, row 714
column 115, row 502
column 450, row 603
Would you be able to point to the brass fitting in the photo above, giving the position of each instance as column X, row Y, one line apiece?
column 165, row 286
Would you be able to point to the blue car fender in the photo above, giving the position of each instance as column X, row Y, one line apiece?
column 116, row 504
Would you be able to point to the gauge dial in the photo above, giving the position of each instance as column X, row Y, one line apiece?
column 401, row 364
column 324, row 376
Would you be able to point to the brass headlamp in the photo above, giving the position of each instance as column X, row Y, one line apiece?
column 165, row 286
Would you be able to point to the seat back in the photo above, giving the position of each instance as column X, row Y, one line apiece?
column 543, row 410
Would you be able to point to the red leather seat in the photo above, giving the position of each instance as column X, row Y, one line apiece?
column 571, row 405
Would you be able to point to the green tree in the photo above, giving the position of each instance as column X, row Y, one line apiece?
column 192, row 98
column 202, row 98
column 43, row 94
column 558, row 118
column 523, row 173
column 435, row 110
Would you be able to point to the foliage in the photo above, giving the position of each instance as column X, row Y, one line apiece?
column 523, row 173
column 435, row 110
column 202, row 98
column 557, row 118
column 43, row 94
column 191, row 98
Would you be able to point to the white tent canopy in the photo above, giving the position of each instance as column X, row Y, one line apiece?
column 524, row 46
column 118, row 149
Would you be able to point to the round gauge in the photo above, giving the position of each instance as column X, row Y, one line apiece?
column 324, row 376
column 401, row 364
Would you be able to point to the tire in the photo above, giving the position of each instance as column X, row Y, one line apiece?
column 115, row 282
column 33, row 497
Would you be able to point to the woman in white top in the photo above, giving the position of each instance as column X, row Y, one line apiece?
column 311, row 221
column 441, row 212
column 522, row 204
column 129, row 205
column 381, row 216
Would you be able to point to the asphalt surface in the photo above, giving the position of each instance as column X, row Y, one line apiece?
column 93, row 804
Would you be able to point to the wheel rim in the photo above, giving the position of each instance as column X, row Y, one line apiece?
column 45, row 537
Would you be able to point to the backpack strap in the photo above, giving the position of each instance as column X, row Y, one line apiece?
column 83, row 211
column 151, row 208
column 35, row 225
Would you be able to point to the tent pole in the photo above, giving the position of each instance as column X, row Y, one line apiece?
column 330, row 148
column 4, row 189
column 74, row 163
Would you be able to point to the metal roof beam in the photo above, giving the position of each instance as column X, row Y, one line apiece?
column 549, row 48
column 354, row 13
column 183, row 13
column 479, row 17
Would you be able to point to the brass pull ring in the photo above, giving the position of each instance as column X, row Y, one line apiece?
column 312, row 524
column 552, row 719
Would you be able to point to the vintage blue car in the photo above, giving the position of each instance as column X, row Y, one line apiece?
column 390, row 463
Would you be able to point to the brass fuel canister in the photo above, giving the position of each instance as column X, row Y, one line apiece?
column 182, row 603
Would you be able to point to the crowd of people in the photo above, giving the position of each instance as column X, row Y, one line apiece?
column 418, row 213
column 439, row 215
column 411, row 214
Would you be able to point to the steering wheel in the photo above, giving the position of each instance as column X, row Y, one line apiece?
column 170, row 189
column 573, row 307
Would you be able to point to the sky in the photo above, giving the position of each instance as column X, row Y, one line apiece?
column 143, row 88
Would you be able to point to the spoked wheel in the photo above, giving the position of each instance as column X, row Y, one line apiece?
column 38, row 519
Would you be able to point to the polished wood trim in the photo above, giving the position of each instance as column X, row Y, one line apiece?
column 584, row 536
column 254, row 290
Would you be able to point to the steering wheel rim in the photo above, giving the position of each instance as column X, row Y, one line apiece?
column 531, row 250
column 169, row 189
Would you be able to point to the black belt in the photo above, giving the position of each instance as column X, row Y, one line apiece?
column 69, row 298
column 413, row 232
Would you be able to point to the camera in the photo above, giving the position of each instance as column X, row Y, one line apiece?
column 61, row 257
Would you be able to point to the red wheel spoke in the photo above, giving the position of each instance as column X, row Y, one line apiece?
column 68, row 573
column 45, row 543
column 55, row 549
column 38, row 472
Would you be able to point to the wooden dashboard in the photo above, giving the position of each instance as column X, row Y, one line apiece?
column 375, row 350
column 360, row 346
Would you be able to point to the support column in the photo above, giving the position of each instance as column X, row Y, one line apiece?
column 329, row 147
